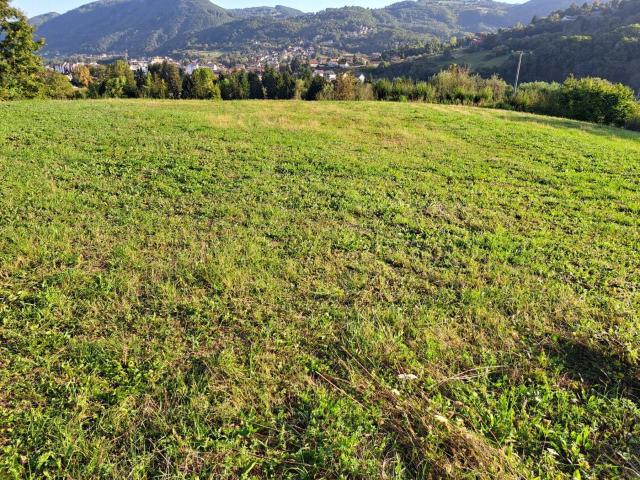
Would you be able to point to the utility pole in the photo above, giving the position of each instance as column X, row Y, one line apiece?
column 518, row 72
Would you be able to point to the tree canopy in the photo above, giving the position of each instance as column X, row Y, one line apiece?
column 20, row 67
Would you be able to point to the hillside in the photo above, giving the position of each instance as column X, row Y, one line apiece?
column 38, row 20
column 601, row 41
column 134, row 26
column 356, row 29
column 524, row 12
column 279, row 11
column 316, row 290
column 145, row 26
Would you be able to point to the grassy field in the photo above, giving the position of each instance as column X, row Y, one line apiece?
column 316, row 290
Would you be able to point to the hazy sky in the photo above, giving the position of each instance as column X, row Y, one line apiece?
column 36, row 7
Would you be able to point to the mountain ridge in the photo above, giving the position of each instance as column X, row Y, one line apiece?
column 146, row 27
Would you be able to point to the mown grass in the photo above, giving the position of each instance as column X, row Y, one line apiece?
column 316, row 290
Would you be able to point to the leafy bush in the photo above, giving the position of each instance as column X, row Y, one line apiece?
column 56, row 86
column 588, row 99
column 633, row 120
column 538, row 97
column 597, row 100
column 458, row 85
column 382, row 89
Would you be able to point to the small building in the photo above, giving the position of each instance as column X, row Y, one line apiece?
column 191, row 67
column 330, row 76
column 139, row 65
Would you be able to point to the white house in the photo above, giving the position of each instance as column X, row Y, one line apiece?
column 191, row 67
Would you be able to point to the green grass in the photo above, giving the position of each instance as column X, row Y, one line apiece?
column 316, row 290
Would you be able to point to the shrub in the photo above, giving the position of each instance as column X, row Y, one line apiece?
column 455, row 85
column 538, row 97
column 382, row 89
column 364, row 92
column 56, row 86
column 459, row 85
column 597, row 100
column 425, row 92
column 633, row 119
column 346, row 87
column 316, row 87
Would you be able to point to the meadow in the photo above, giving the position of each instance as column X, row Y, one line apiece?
column 305, row 290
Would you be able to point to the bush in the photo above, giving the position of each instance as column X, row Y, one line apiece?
column 425, row 92
column 633, row 119
column 597, row 100
column 382, row 89
column 459, row 85
column 56, row 86
column 364, row 92
column 455, row 85
column 538, row 97
column 316, row 87
column 587, row 99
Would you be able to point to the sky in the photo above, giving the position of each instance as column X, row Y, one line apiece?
column 36, row 7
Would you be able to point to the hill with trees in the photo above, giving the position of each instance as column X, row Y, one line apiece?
column 279, row 11
column 39, row 20
column 602, row 39
column 136, row 26
column 152, row 27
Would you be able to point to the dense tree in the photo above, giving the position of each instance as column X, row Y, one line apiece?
column 204, row 85
column 316, row 87
column 146, row 85
column 270, row 83
column 256, row 90
column 346, row 87
column 21, row 71
column 286, row 85
column 57, row 86
column 170, row 74
column 159, row 87
column 81, row 76
column 188, row 86
column 126, row 82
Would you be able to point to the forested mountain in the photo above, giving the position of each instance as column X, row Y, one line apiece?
column 136, row 26
column 170, row 26
column 40, row 19
column 599, row 40
column 279, row 11
column 524, row 12
column 357, row 29
column 602, row 40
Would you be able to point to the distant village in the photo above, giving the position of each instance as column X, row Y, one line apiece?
column 321, row 65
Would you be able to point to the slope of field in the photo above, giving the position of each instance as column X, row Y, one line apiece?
column 316, row 290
